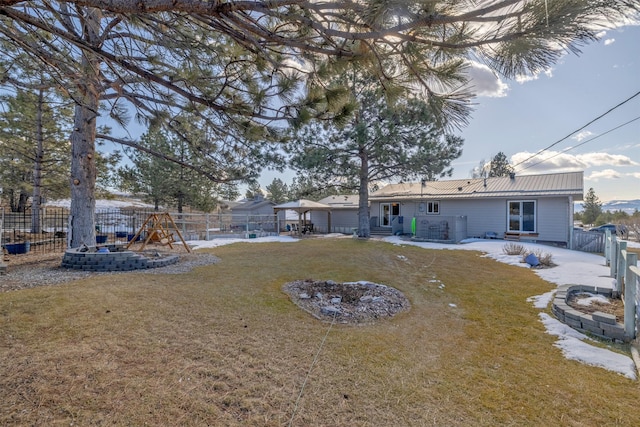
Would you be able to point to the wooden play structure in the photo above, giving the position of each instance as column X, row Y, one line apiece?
column 159, row 228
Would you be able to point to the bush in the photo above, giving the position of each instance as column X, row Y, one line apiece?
column 544, row 258
column 513, row 249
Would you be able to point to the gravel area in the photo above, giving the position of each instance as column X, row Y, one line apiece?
column 30, row 271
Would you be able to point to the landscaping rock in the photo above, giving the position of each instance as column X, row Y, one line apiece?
column 359, row 302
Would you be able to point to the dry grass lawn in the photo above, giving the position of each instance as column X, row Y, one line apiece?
column 224, row 346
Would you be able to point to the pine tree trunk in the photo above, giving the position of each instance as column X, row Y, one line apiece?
column 37, row 167
column 23, row 201
column 83, row 162
column 364, row 223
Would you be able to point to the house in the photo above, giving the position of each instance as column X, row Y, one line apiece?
column 256, row 206
column 517, row 207
column 343, row 216
column 254, row 214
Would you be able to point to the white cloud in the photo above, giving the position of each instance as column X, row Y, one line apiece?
column 634, row 175
column 485, row 82
column 603, row 174
column 606, row 159
column 582, row 135
column 607, row 42
column 523, row 78
column 555, row 161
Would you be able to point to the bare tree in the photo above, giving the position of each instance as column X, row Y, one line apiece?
column 244, row 61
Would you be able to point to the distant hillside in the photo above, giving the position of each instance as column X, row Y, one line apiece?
column 629, row 206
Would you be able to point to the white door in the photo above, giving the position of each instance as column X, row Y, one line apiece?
column 388, row 212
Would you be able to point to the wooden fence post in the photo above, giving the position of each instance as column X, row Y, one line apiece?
column 621, row 268
column 630, row 285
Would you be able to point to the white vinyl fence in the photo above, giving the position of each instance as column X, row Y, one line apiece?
column 624, row 268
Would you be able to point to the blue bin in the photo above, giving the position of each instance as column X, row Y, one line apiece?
column 17, row 248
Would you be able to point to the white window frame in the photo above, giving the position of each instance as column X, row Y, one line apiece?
column 431, row 207
column 520, row 217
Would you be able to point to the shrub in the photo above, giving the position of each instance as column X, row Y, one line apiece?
column 513, row 249
column 545, row 258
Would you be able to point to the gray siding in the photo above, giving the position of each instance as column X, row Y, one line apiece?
column 342, row 221
column 490, row 215
column 260, row 210
column 553, row 219
column 484, row 215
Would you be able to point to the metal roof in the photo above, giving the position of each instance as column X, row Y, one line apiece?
column 302, row 205
column 558, row 184
column 344, row 201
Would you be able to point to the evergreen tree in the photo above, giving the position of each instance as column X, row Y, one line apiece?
column 253, row 191
column 34, row 156
column 384, row 140
column 277, row 191
column 228, row 191
column 244, row 62
column 304, row 187
column 592, row 207
column 499, row 166
column 165, row 182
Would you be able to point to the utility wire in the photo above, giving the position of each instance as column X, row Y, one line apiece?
column 579, row 129
column 576, row 146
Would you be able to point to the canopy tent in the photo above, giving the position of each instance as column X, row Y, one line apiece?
column 302, row 206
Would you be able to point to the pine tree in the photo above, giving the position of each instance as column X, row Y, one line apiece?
column 592, row 207
column 277, row 191
column 499, row 166
column 384, row 140
column 253, row 191
column 246, row 62
column 162, row 181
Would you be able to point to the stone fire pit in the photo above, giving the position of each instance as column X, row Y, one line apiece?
column 114, row 258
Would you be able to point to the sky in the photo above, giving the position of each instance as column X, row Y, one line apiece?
column 523, row 116
column 520, row 118
column 572, row 267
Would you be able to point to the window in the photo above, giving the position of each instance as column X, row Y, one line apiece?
column 429, row 208
column 521, row 216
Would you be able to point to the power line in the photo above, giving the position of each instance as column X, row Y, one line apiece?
column 578, row 130
column 576, row 146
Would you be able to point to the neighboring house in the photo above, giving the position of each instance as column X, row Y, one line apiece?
column 343, row 216
column 518, row 207
column 256, row 206
column 255, row 214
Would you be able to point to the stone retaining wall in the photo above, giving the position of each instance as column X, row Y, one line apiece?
column 600, row 324
column 117, row 259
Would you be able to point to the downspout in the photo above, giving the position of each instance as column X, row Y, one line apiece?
column 571, row 212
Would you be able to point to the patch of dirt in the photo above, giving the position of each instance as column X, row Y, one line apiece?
column 615, row 305
column 350, row 302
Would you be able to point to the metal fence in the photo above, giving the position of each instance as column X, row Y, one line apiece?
column 120, row 225
column 45, row 232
